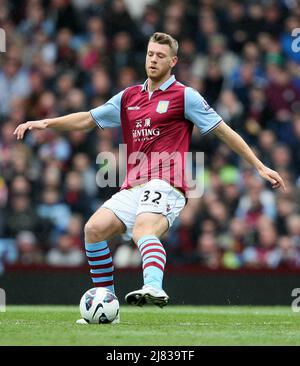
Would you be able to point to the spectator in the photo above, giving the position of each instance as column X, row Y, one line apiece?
column 207, row 251
column 207, row 26
column 219, row 214
column 293, row 229
column 295, row 144
column 286, row 207
column 150, row 21
column 262, row 252
column 75, row 197
column 213, row 83
column 65, row 83
column 233, row 243
column 65, row 56
column 20, row 186
column 258, row 112
column 127, row 255
column 64, row 15
column 218, row 53
column 235, row 25
column 288, row 254
column 56, row 147
column 126, row 76
column 282, row 96
column 75, row 231
column 8, row 253
column 51, row 208
column 123, row 52
column 255, row 203
column 232, row 110
column 281, row 157
column 266, row 141
column 65, row 255
column 119, row 18
column 3, row 194
column 82, row 165
column 14, row 83
column 52, row 177
column 100, row 84
column 29, row 251
column 180, row 239
column 20, row 217
column 6, row 145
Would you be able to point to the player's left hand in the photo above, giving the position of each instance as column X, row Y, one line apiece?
column 272, row 176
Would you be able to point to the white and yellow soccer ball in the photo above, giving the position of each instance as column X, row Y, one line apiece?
column 99, row 306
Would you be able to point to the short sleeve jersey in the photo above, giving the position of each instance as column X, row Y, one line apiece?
column 157, row 129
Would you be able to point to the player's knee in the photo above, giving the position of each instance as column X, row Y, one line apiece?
column 93, row 233
column 145, row 226
column 141, row 230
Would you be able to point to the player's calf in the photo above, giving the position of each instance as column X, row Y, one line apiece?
column 100, row 227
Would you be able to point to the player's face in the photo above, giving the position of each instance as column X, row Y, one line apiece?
column 159, row 61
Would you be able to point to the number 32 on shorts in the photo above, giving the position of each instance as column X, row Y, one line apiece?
column 151, row 197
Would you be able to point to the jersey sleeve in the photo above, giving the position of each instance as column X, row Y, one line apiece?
column 199, row 112
column 109, row 114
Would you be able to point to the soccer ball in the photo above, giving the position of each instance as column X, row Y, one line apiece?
column 99, row 306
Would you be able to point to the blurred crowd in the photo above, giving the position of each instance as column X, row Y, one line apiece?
column 67, row 56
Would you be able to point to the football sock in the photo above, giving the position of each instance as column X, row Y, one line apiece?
column 101, row 264
column 154, row 259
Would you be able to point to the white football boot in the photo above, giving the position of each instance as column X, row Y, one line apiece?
column 115, row 321
column 147, row 295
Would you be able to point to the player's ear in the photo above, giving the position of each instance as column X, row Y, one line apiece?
column 174, row 61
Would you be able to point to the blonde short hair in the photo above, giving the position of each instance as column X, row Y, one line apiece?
column 164, row 38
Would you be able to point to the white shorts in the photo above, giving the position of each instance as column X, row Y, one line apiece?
column 155, row 196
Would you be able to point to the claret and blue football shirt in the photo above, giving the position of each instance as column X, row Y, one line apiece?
column 157, row 129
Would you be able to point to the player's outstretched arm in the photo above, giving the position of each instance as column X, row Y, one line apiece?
column 70, row 122
column 237, row 144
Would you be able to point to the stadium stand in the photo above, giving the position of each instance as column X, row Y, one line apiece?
column 68, row 56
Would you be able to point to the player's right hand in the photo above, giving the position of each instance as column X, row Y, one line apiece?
column 30, row 125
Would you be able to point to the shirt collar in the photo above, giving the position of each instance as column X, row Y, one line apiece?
column 163, row 86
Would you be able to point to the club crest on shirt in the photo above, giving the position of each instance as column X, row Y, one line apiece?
column 162, row 106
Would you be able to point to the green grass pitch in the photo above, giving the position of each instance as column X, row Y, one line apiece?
column 152, row 326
